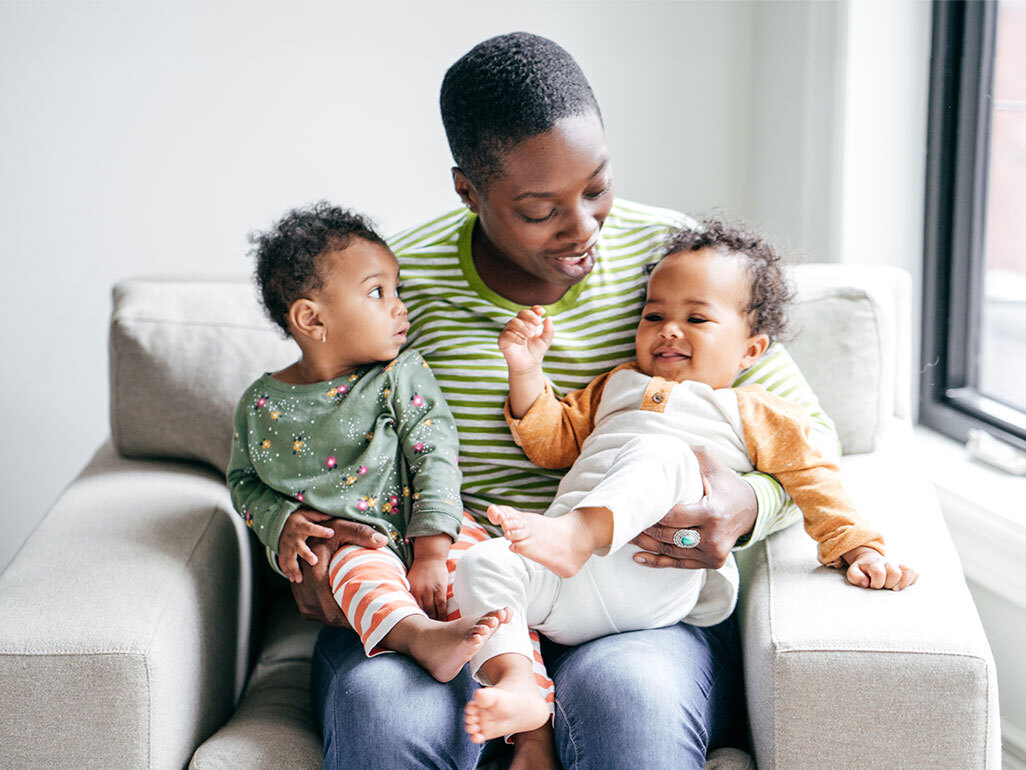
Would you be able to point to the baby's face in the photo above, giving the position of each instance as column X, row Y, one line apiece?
column 692, row 326
column 359, row 304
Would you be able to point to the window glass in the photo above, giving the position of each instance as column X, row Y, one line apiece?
column 1002, row 355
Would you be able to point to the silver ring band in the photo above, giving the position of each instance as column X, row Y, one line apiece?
column 687, row 538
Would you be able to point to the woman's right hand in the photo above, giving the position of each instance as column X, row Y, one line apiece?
column 525, row 340
column 313, row 596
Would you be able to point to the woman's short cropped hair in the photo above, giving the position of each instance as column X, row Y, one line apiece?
column 287, row 255
column 504, row 90
column 770, row 293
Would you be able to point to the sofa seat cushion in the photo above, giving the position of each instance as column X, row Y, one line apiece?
column 273, row 726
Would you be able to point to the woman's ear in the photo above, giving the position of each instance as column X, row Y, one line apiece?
column 305, row 321
column 754, row 349
column 465, row 189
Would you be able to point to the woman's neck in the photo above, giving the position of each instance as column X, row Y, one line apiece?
column 506, row 278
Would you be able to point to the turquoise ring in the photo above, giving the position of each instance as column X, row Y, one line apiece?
column 687, row 538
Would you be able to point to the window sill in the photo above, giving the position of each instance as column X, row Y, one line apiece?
column 984, row 510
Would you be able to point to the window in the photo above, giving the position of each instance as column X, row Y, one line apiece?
column 974, row 288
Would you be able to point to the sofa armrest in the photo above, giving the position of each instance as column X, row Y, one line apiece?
column 126, row 619
column 838, row 676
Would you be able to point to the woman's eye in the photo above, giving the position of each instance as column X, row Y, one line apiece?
column 537, row 220
column 376, row 293
column 598, row 193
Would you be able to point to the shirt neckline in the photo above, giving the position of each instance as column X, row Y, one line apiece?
column 477, row 284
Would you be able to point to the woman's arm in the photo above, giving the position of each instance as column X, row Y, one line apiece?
column 726, row 513
column 313, row 595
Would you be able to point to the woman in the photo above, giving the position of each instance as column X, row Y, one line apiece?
column 541, row 226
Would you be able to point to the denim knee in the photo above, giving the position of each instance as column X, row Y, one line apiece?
column 651, row 699
column 386, row 711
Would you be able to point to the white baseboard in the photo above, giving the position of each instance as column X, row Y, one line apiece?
column 1013, row 747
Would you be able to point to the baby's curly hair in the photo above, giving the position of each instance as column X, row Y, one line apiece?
column 770, row 293
column 287, row 255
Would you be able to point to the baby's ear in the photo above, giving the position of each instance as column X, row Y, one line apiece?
column 754, row 348
column 305, row 321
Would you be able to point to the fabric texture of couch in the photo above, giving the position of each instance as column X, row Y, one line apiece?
column 166, row 642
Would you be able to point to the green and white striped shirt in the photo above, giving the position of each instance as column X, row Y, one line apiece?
column 455, row 323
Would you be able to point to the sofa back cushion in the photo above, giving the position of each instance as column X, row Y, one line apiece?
column 182, row 351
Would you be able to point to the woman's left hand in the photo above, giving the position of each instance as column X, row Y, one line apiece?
column 726, row 512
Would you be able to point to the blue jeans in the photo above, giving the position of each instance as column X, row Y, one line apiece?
column 653, row 699
column 656, row 699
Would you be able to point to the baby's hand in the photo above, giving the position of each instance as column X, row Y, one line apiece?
column 301, row 524
column 428, row 580
column 868, row 568
column 525, row 339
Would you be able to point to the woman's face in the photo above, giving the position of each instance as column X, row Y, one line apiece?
column 544, row 211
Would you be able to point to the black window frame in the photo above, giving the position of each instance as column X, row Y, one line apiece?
column 961, row 80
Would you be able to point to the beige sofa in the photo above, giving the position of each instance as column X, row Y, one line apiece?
column 165, row 642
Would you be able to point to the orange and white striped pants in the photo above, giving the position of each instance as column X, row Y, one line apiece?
column 370, row 586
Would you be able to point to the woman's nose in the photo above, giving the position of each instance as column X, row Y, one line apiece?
column 580, row 226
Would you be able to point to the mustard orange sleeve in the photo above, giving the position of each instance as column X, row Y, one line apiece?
column 776, row 435
column 552, row 430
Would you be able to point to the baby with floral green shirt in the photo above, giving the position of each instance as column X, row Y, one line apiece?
column 354, row 429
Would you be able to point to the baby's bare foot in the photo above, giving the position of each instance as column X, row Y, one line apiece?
column 511, row 706
column 535, row 750
column 443, row 647
column 561, row 543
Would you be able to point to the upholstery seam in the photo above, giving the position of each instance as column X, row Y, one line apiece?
column 115, row 388
column 179, row 322
column 200, row 537
column 877, row 308
column 774, row 645
column 880, row 651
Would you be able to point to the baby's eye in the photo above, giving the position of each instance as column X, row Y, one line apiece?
column 697, row 320
column 376, row 293
column 653, row 317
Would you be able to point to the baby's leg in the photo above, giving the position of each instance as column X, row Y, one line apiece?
column 371, row 588
column 535, row 750
column 648, row 476
column 519, row 699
